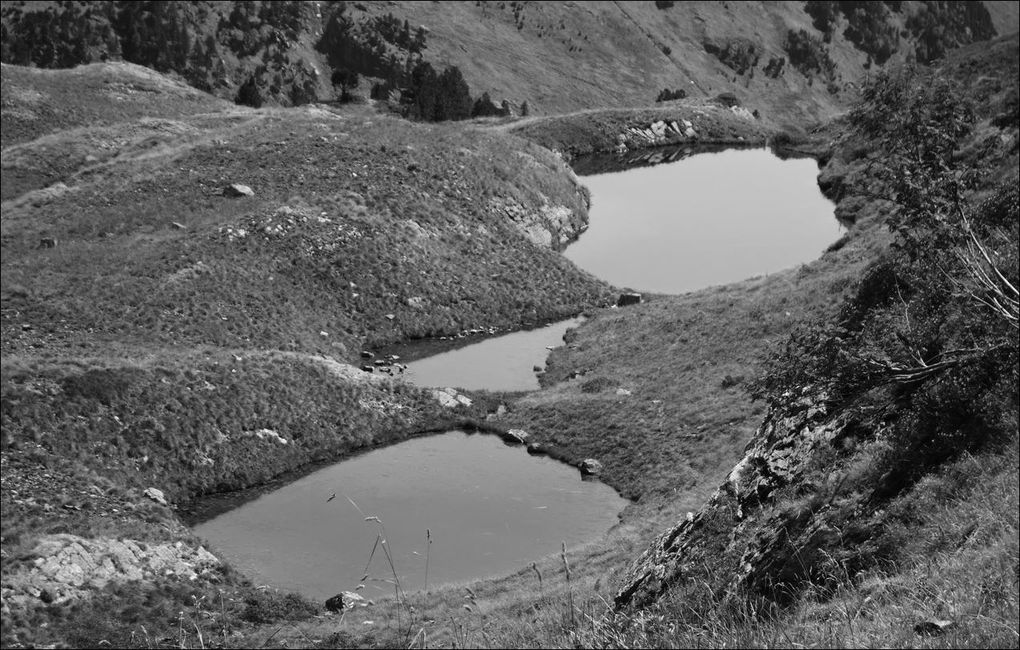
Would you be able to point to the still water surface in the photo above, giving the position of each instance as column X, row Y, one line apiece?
column 500, row 363
column 710, row 219
column 490, row 508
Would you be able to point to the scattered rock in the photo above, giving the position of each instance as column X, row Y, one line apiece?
column 236, row 190
column 730, row 381
column 177, row 225
column 156, row 495
column 416, row 302
column 365, row 354
column 450, row 398
column 516, row 436
column 266, row 434
column 628, row 299
column 68, row 567
column 623, row 392
column 345, row 600
column 590, row 467
column 390, row 316
column 933, row 627
column 47, row 242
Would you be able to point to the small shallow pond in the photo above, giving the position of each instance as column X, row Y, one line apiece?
column 504, row 362
column 708, row 219
column 490, row 508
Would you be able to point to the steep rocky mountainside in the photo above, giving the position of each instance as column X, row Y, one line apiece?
column 793, row 61
column 865, row 432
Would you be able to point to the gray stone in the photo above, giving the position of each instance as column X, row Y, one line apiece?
column 516, row 436
column 590, row 467
column 155, row 495
column 933, row 627
column 236, row 190
column 628, row 299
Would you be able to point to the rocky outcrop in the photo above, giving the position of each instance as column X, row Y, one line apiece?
column 69, row 567
column 450, row 398
column 550, row 226
column 762, row 548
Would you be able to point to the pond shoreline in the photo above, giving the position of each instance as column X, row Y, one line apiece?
column 208, row 506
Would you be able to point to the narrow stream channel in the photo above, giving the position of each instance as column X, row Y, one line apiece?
column 504, row 362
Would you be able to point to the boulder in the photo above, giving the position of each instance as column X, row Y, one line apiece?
column 933, row 627
column 536, row 449
column 155, row 495
column 236, row 190
column 345, row 600
column 365, row 354
column 590, row 467
column 516, row 436
column 628, row 299
column 47, row 242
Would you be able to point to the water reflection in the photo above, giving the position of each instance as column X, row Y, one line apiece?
column 490, row 509
column 708, row 219
column 504, row 362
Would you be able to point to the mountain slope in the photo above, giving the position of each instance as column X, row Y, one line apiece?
column 791, row 59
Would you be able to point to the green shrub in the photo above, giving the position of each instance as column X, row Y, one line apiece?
column 270, row 606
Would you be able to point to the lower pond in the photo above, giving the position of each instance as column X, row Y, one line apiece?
column 489, row 509
column 707, row 219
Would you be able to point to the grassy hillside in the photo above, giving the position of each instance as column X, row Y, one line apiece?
column 348, row 237
column 159, row 333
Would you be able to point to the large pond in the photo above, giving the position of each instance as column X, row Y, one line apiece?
column 705, row 220
column 489, row 508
